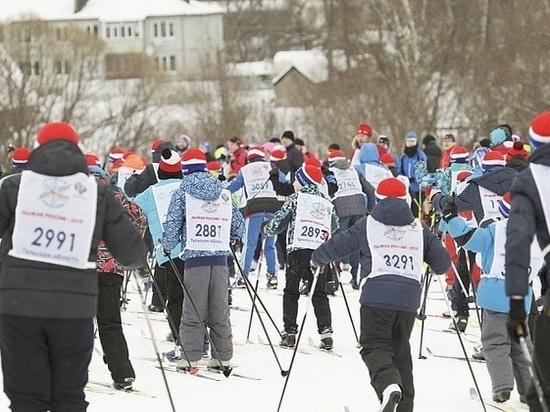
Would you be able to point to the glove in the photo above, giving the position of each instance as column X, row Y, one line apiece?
column 274, row 172
column 314, row 267
column 517, row 325
column 449, row 211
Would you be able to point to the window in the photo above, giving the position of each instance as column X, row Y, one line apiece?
column 123, row 31
column 108, row 32
column 171, row 29
column 62, row 67
column 35, row 68
column 155, row 30
column 163, row 29
column 129, row 31
column 172, row 63
column 164, row 63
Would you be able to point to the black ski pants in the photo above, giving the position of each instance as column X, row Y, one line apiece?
column 386, row 351
column 45, row 362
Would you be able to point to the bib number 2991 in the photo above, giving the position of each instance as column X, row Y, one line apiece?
column 44, row 238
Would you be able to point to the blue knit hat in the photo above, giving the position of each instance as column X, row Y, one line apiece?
column 193, row 160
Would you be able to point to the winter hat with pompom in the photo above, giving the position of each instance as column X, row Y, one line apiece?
column 309, row 175
column 169, row 165
column 55, row 131
column 20, row 157
column 539, row 132
column 193, row 160
column 391, row 187
column 492, row 159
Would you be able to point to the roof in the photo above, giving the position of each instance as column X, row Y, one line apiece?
column 104, row 10
column 312, row 64
column 250, row 69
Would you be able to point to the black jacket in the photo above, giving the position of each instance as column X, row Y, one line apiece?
column 36, row 289
column 433, row 153
column 137, row 183
column 526, row 219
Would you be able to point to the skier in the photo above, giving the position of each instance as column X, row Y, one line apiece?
column 54, row 215
column 203, row 218
column 310, row 218
column 393, row 245
column 530, row 216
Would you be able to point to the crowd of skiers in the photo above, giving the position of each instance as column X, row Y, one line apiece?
column 470, row 216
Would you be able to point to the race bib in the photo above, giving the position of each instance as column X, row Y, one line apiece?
column 312, row 222
column 396, row 250
column 348, row 182
column 162, row 196
column 256, row 180
column 489, row 203
column 55, row 219
column 208, row 223
column 375, row 174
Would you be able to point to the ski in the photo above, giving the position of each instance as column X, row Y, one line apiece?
column 99, row 389
column 312, row 343
column 346, row 409
column 235, row 374
column 110, row 386
column 498, row 406
column 195, row 372
column 467, row 336
column 462, row 358
column 300, row 350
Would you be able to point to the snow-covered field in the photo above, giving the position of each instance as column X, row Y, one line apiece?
column 318, row 382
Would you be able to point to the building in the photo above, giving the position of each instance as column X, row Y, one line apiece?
column 182, row 37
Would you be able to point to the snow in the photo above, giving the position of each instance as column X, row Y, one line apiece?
column 105, row 10
column 313, row 64
column 251, row 69
column 318, row 381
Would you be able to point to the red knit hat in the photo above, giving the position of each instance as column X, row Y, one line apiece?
column 156, row 144
column 214, row 166
column 278, row 154
column 169, row 161
column 492, row 159
column 193, row 160
column 20, row 157
column 309, row 175
column 387, row 159
column 463, row 175
column 57, row 130
column 539, row 132
column 516, row 150
column 364, row 128
column 391, row 187
column 92, row 159
column 115, row 154
column 312, row 161
column 459, row 154
column 255, row 153
column 335, row 155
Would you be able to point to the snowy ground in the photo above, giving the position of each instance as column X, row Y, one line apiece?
column 318, row 382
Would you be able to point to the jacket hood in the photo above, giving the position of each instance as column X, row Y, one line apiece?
column 341, row 164
column 497, row 180
column 157, row 153
column 369, row 154
column 393, row 211
column 202, row 185
column 541, row 156
column 58, row 157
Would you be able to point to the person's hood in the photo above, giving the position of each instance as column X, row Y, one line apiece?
column 202, row 185
column 157, row 153
column 393, row 211
column 58, row 157
column 369, row 154
column 342, row 164
column 432, row 149
column 498, row 179
column 541, row 156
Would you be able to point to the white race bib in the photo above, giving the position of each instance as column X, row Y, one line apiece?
column 375, row 174
column 256, row 180
column 55, row 219
column 208, row 223
column 162, row 196
column 396, row 250
column 348, row 182
column 489, row 203
column 312, row 222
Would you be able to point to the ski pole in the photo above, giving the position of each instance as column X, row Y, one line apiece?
column 225, row 369
column 150, row 327
column 337, row 270
column 533, row 373
column 248, row 288
column 462, row 345
column 124, row 300
column 255, row 289
column 474, row 293
column 309, row 300
column 422, row 315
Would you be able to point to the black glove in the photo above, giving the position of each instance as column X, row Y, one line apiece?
column 274, row 172
column 517, row 319
column 449, row 211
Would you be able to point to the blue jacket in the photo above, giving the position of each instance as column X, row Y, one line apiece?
column 391, row 292
column 204, row 186
column 147, row 202
column 407, row 167
column 491, row 292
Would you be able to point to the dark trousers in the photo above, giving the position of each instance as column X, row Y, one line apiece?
column 459, row 299
column 386, row 351
column 45, row 362
column 109, row 325
column 159, row 291
column 345, row 223
column 280, row 246
column 174, row 295
column 298, row 265
column 541, row 358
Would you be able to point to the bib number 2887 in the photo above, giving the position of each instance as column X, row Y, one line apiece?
column 44, row 238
